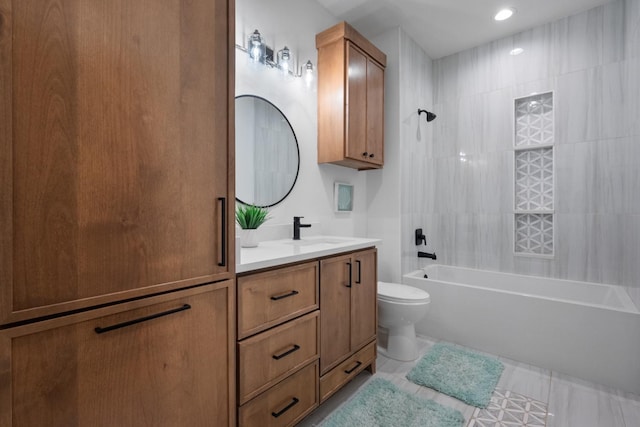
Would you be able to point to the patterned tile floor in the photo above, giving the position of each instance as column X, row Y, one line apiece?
column 508, row 408
column 523, row 390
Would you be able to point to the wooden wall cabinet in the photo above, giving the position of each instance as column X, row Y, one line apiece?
column 150, row 362
column 116, row 151
column 348, row 295
column 350, row 99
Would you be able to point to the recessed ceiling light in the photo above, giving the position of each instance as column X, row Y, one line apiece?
column 504, row 14
column 516, row 51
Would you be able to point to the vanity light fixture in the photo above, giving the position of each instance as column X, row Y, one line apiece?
column 260, row 53
column 516, row 51
column 505, row 13
column 284, row 58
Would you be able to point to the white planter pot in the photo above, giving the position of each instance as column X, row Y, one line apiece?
column 249, row 237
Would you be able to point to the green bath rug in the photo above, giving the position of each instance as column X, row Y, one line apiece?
column 381, row 404
column 460, row 373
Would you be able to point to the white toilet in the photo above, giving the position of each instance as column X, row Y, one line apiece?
column 399, row 308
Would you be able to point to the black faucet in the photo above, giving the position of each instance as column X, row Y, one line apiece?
column 297, row 226
column 426, row 255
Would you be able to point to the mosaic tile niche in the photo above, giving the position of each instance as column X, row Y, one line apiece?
column 534, row 175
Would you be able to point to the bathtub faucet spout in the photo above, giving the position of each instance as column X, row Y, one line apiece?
column 426, row 255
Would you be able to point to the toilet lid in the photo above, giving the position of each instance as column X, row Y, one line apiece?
column 401, row 293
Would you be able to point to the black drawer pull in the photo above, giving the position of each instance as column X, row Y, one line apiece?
column 359, row 279
column 286, row 408
column 296, row 347
column 100, row 330
column 365, row 154
column 283, row 296
column 348, row 371
column 372, row 155
column 350, row 274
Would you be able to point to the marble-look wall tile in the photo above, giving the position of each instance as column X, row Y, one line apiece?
column 631, row 28
column 613, row 35
column 578, row 106
column 620, row 99
column 578, row 41
column 598, row 177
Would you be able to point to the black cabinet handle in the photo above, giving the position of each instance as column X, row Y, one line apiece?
column 100, row 330
column 365, row 154
column 350, row 274
column 371, row 155
column 296, row 347
column 359, row 279
column 223, row 233
column 283, row 296
column 286, row 408
column 348, row 371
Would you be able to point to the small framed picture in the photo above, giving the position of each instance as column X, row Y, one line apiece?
column 343, row 197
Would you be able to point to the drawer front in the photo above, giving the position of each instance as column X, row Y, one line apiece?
column 271, row 356
column 345, row 371
column 270, row 298
column 286, row 403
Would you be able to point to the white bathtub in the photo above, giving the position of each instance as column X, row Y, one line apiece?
column 588, row 330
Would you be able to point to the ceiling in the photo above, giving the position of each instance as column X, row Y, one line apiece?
column 444, row 27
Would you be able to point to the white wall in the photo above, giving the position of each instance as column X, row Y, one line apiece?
column 295, row 23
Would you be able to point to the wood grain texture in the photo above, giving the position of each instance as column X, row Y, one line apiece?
column 375, row 112
column 257, row 311
column 364, row 299
column 356, row 101
column 350, row 106
column 335, row 303
column 122, row 129
column 256, row 365
column 167, row 371
column 303, row 385
column 337, row 377
column 343, row 30
column 6, row 164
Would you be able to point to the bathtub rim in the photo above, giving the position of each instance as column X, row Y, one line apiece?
column 625, row 298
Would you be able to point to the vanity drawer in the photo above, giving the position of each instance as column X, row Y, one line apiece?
column 345, row 371
column 269, row 357
column 270, row 298
column 284, row 404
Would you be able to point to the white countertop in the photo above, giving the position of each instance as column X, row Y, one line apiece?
column 278, row 252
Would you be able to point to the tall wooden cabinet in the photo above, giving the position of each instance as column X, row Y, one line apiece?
column 348, row 290
column 116, row 169
column 350, row 99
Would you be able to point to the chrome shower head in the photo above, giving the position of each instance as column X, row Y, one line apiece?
column 430, row 116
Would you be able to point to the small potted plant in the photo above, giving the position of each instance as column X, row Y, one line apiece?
column 249, row 218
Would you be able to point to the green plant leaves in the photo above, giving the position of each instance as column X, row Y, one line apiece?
column 251, row 216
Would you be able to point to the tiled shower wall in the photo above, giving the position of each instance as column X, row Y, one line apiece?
column 591, row 62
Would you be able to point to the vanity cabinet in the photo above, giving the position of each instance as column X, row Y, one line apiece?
column 348, row 295
column 157, row 361
column 350, row 99
column 279, row 345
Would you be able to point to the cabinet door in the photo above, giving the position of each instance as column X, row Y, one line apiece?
column 115, row 139
column 356, row 99
column 375, row 112
column 170, row 369
column 335, row 301
column 364, row 299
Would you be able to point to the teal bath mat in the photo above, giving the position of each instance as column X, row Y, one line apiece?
column 460, row 373
column 381, row 404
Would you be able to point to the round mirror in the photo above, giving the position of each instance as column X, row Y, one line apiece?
column 267, row 154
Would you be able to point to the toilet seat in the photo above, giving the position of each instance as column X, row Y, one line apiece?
column 395, row 292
